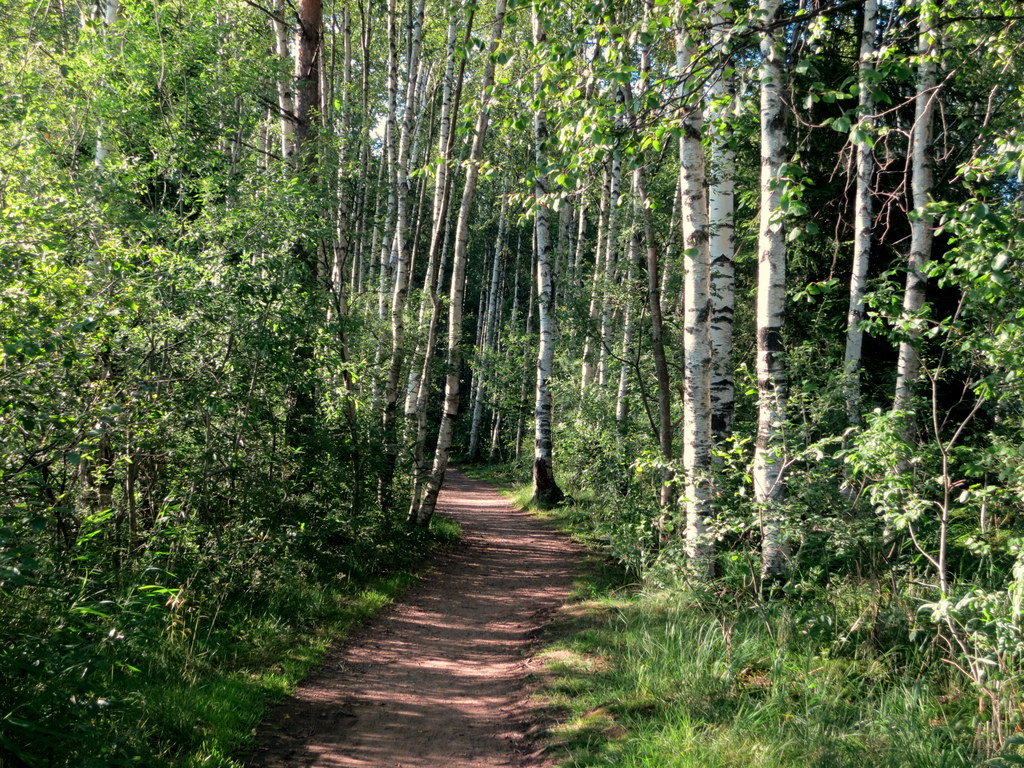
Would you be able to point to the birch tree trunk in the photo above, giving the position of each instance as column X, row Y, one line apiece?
column 418, row 388
column 475, row 389
column 610, row 252
column 453, row 365
column 285, row 101
column 581, row 236
column 622, row 393
column 666, row 491
column 439, row 214
column 403, row 245
column 111, row 10
column 721, row 207
column 487, row 342
column 862, row 219
column 546, row 492
column 908, row 365
column 364, row 256
column 530, row 306
column 769, row 480
column 376, row 233
column 589, row 368
column 494, row 454
column 421, row 461
column 696, row 327
column 391, row 152
column 563, row 247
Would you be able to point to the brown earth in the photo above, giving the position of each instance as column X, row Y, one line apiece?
column 438, row 680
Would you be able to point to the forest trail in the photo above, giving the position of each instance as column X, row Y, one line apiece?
column 437, row 681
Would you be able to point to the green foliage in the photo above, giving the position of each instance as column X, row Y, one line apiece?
column 711, row 677
column 189, row 416
column 172, row 556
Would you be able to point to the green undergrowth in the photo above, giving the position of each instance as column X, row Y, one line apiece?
column 183, row 679
column 638, row 674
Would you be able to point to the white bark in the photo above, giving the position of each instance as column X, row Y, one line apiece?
column 769, row 480
column 610, row 253
column 863, row 212
column 442, row 196
column 545, row 490
column 495, row 453
column 403, row 249
column 581, row 236
column 419, row 384
column 285, row 98
column 589, row 368
column 696, row 326
column 622, row 393
column 391, row 152
column 908, row 366
column 363, row 256
column 563, row 249
column 486, row 344
column 111, row 10
column 531, row 301
column 450, row 411
column 721, row 207
column 515, row 284
column 376, row 233
column 346, row 67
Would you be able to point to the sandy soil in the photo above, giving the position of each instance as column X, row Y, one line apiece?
column 438, row 680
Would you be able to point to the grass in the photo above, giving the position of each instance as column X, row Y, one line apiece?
column 638, row 677
column 186, row 686
column 211, row 717
column 215, row 715
column 647, row 679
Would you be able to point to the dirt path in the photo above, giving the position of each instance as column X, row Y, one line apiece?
column 438, row 680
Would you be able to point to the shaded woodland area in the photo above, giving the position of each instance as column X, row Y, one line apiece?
column 737, row 284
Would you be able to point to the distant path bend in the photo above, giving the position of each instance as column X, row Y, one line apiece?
column 437, row 681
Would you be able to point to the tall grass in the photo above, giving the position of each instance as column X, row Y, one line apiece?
column 641, row 678
column 650, row 671
column 181, row 678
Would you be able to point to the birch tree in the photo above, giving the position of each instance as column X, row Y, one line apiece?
column 453, row 365
column 391, row 155
column 588, row 370
column 489, row 331
column 721, row 209
column 418, row 388
column 863, row 214
column 625, row 352
column 611, row 246
column 111, row 10
column 696, row 327
column 546, row 492
column 666, row 491
column 921, row 159
column 769, row 479
column 403, row 246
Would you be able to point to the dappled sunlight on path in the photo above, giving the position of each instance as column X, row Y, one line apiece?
column 438, row 680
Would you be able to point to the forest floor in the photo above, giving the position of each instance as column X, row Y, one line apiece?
column 442, row 678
